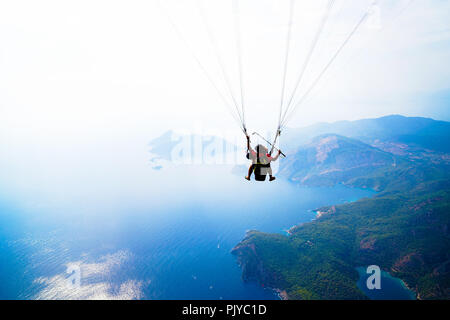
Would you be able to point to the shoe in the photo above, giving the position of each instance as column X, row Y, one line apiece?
column 272, row 178
column 247, row 178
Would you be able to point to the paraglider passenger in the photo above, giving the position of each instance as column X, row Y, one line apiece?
column 261, row 160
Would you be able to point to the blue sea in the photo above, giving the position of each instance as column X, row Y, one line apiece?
column 141, row 233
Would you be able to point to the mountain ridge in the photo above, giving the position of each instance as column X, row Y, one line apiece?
column 329, row 158
column 404, row 228
column 416, row 131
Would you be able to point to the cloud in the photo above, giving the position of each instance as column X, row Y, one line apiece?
column 95, row 281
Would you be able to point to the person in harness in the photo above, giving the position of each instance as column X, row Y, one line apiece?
column 261, row 160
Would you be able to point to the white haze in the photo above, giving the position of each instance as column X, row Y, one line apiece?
column 84, row 85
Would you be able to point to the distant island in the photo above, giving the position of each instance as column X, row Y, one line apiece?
column 404, row 228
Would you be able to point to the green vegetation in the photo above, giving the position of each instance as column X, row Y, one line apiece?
column 404, row 229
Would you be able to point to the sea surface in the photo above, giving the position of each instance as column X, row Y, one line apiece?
column 141, row 233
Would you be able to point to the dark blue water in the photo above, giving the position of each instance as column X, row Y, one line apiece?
column 164, row 234
column 391, row 288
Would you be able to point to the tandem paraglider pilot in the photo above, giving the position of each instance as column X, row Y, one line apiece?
column 261, row 159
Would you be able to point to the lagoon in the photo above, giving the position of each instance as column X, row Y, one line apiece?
column 391, row 288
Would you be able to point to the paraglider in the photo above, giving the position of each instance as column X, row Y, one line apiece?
column 290, row 100
column 261, row 159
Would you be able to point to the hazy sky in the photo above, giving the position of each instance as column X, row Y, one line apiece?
column 79, row 70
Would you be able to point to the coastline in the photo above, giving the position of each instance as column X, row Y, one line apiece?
column 417, row 295
column 319, row 212
column 282, row 294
